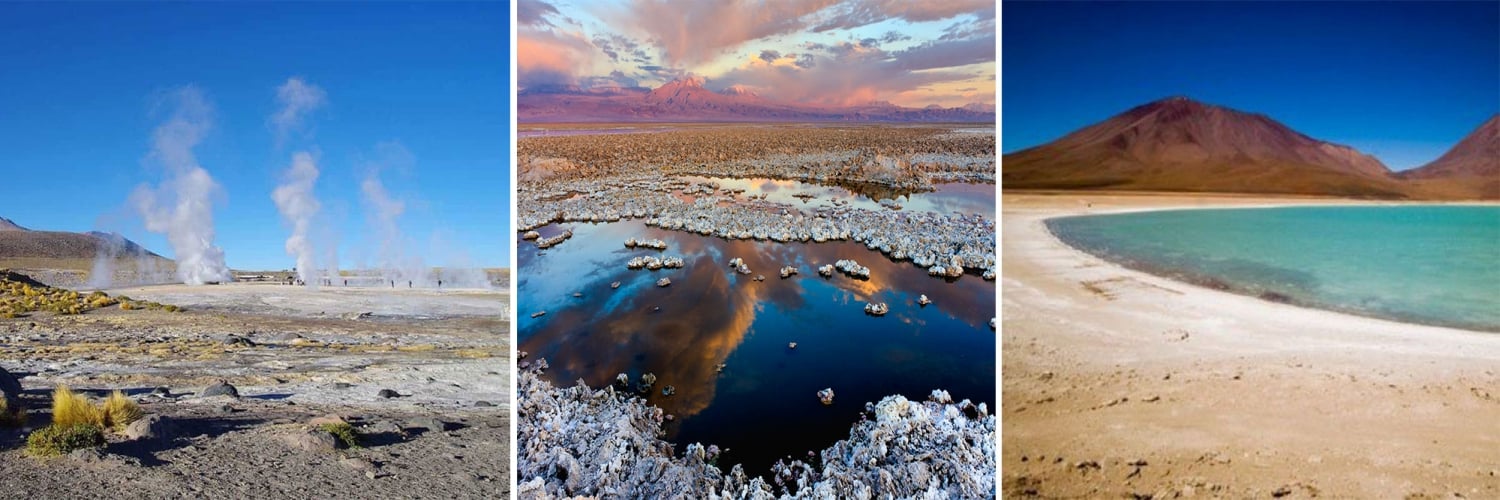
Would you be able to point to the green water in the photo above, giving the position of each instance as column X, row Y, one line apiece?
column 1434, row 265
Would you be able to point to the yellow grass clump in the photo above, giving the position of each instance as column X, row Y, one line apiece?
column 69, row 409
column 119, row 411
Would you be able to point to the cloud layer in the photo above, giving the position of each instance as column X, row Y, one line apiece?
column 835, row 52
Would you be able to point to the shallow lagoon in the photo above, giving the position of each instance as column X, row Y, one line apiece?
column 1435, row 265
column 762, row 407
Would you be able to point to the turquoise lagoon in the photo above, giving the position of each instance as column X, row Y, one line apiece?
column 1433, row 265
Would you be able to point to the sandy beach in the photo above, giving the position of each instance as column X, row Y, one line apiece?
column 1119, row 383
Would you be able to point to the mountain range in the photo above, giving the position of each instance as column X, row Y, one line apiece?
column 687, row 100
column 22, row 247
column 1179, row 144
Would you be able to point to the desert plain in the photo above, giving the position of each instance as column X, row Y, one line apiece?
column 1121, row 383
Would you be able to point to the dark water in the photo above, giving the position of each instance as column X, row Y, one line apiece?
column 763, row 406
column 1434, row 265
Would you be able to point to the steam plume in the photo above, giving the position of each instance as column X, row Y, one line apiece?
column 295, row 200
column 297, row 98
column 294, row 197
column 181, row 207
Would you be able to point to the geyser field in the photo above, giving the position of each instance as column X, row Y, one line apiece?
column 417, row 373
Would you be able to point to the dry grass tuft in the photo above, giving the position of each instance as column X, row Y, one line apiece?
column 69, row 409
column 119, row 411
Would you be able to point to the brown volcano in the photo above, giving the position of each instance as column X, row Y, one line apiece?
column 1470, row 170
column 1178, row 144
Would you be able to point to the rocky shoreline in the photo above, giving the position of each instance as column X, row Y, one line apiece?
column 599, row 442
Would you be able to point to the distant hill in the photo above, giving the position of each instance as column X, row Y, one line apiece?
column 22, row 247
column 1471, row 169
column 10, row 225
column 687, row 100
column 1178, row 144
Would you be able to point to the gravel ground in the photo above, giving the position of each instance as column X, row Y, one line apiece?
column 294, row 354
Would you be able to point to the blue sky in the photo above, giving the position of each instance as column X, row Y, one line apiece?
column 83, row 86
column 1403, row 81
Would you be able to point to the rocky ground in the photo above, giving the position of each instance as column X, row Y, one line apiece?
column 420, row 374
column 579, row 441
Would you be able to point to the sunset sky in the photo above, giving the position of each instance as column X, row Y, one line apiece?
column 823, row 52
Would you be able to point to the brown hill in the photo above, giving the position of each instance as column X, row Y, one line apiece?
column 25, row 248
column 1178, row 144
column 1470, row 170
column 10, row 225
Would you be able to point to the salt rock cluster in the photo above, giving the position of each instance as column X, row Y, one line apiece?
column 925, row 239
column 954, row 269
column 739, row 265
column 852, row 268
column 578, row 441
column 653, row 243
column 876, row 309
column 663, row 282
column 826, row 396
column 653, row 263
column 788, row 271
column 545, row 243
column 826, row 270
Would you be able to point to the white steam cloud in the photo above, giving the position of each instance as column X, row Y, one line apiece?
column 294, row 197
column 181, row 207
column 298, row 206
column 384, row 212
column 297, row 98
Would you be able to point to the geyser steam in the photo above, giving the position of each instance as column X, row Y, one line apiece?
column 181, row 207
column 294, row 197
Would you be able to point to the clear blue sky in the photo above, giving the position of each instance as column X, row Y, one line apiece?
column 78, row 82
column 1403, row 81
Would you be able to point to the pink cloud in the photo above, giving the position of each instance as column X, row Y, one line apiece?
column 689, row 32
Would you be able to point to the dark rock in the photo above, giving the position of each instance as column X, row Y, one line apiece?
column 382, row 427
column 311, row 440
column 430, row 423
column 387, row 393
column 238, row 341
column 220, row 388
column 161, row 392
column 151, row 427
column 10, row 388
column 484, row 404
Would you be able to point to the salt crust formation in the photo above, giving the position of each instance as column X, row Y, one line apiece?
column 582, row 442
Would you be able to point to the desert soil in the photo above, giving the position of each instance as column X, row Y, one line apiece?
column 1118, row 383
column 294, row 354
